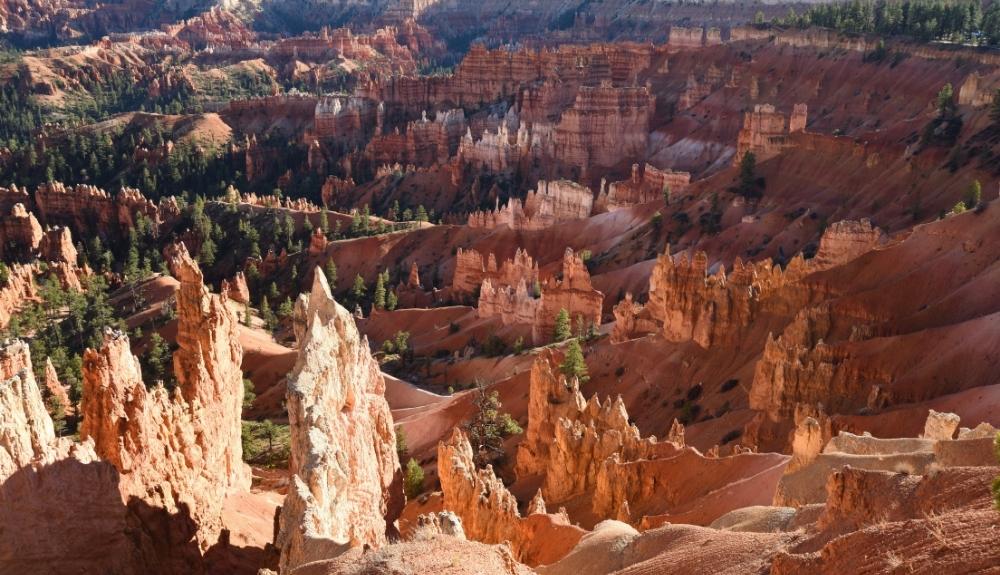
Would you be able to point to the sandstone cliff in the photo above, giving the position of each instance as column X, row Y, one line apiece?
column 346, row 487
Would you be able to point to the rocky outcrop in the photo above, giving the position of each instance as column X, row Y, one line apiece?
column 346, row 488
column 57, row 246
column 805, row 482
column 646, row 185
column 236, row 289
column 844, row 241
column 179, row 451
column 347, row 119
column 43, row 477
column 573, row 293
column 710, row 308
column 16, row 291
column 471, row 270
column 20, row 234
column 550, row 204
column 630, row 322
column 765, row 131
column 26, row 432
column 57, row 394
column 799, row 367
column 334, row 189
column 423, row 142
column 489, row 511
column 91, row 209
column 940, row 426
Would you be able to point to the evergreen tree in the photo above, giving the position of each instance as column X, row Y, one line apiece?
column 488, row 426
column 402, row 447
column 748, row 185
column 946, row 101
column 270, row 322
column 573, row 364
column 973, row 195
column 158, row 358
column 331, row 273
column 391, row 301
column 359, row 290
column 324, row 220
column 421, row 215
column 286, row 308
column 563, row 330
column 413, row 483
column 378, row 297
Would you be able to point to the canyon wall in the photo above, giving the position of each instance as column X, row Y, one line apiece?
column 336, row 405
column 588, row 448
column 43, row 476
column 605, row 125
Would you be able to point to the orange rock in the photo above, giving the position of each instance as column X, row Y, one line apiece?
column 181, row 452
column 574, row 293
column 471, row 270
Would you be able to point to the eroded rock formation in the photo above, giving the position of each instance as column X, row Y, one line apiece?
column 765, row 131
column 573, row 293
column 179, row 451
column 471, row 270
column 578, row 447
column 346, row 488
column 552, row 203
column 646, row 185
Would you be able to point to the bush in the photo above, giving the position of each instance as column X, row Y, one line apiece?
column 413, row 483
column 730, row 384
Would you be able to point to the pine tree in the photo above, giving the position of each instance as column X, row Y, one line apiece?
column 563, row 330
column 158, row 358
column 331, row 273
column 359, row 290
column 748, row 176
column 391, row 301
column 413, row 484
column 270, row 322
column 378, row 298
column 421, row 214
column 574, row 365
column 286, row 308
column 488, row 426
column 946, row 101
column 324, row 221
